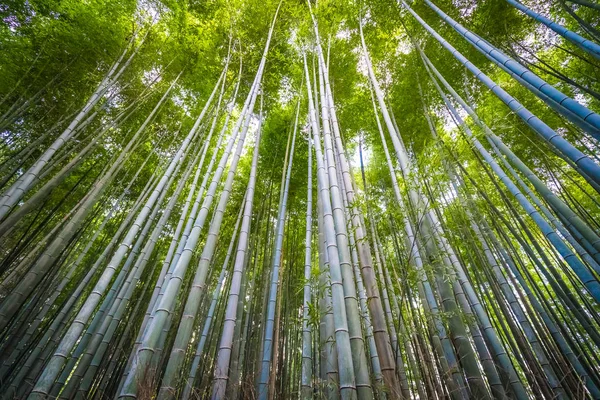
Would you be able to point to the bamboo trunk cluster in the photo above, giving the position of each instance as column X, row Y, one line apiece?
column 199, row 259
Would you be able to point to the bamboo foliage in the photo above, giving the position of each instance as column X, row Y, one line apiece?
column 390, row 222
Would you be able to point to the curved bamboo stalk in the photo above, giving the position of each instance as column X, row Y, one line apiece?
column 565, row 149
column 502, row 60
column 574, row 222
column 587, row 45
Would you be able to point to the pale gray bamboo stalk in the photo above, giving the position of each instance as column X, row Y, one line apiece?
column 221, row 373
column 362, row 294
column 446, row 354
column 164, row 307
column 344, row 351
column 18, row 296
column 360, row 362
column 12, row 195
column 267, row 353
column 184, row 332
column 53, row 368
column 374, row 303
column 307, row 362
column 381, row 266
column 109, row 323
column 238, row 355
column 187, row 389
column 404, row 334
column 328, row 351
column 35, row 362
column 169, row 261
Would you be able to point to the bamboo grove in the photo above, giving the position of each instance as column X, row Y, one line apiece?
column 297, row 199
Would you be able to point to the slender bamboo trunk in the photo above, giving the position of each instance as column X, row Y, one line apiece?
column 226, row 342
column 307, row 356
column 269, row 340
column 342, row 336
